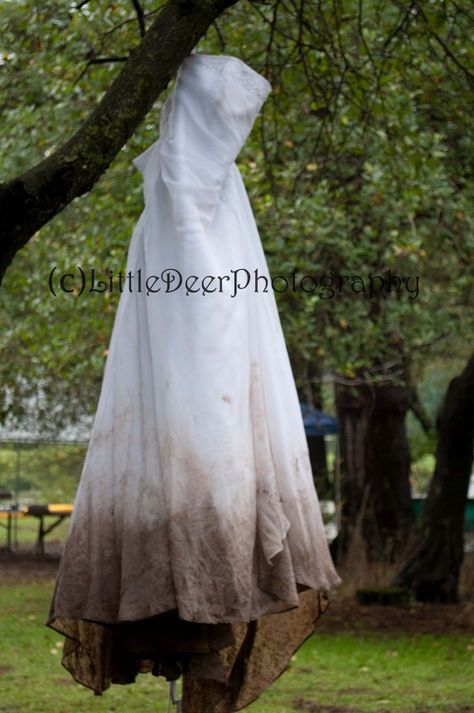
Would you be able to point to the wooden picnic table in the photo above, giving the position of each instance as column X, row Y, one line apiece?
column 57, row 510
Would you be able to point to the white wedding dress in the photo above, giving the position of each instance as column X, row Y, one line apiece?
column 196, row 494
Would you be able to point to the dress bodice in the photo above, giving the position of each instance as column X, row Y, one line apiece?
column 204, row 124
column 224, row 89
column 210, row 111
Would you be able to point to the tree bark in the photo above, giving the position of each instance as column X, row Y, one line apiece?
column 319, row 466
column 375, row 468
column 310, row 372
column 432, row 571
column 31, row 200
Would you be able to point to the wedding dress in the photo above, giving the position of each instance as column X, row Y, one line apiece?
column 196, row 527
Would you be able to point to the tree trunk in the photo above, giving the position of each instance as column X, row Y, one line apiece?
column 432, row 571
column 319, row 466
column 309, row 373
column 375, row 467
column 31, row 200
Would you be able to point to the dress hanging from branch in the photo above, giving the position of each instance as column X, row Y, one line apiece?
column 196, row 543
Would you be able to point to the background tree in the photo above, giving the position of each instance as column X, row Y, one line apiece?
column 432, row 571
column 385, row 183
column 29, row 201
column 361, row 163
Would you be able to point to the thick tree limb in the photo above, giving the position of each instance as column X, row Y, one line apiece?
column 31, row 200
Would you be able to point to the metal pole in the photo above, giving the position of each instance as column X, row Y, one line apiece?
column 337, row 484
column 17, row 495
column 172, row 700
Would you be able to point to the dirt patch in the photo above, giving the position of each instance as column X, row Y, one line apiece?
column 65, row 682
column 449, row 709
column 343, row 615
column 313, row 707
column 25, row 567
column 346, row 615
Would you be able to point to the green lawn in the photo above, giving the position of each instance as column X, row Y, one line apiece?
column 331, row 673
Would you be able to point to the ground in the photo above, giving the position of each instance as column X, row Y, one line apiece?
column 362, row 659
column 344, row 614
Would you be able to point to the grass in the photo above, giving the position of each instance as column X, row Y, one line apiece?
column 373, row 673
column 338, row 672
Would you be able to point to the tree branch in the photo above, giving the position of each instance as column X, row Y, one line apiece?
column 468, row 74
column 106, row 60
column 31, row 200
column 140, row 17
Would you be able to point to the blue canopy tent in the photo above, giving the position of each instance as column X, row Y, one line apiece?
column 317, row 423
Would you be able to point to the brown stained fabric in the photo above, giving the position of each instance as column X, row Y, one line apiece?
column 261, row 654
column 225, row 666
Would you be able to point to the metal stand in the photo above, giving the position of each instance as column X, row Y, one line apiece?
column 172, row 700
column 337, row 484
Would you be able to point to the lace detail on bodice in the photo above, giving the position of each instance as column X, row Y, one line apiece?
column 231, row 70
column 248, row 78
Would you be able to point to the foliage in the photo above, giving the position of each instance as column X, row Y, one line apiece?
column 369, row 170
column 360, row 164
column 54, row 348
column 43, row 473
